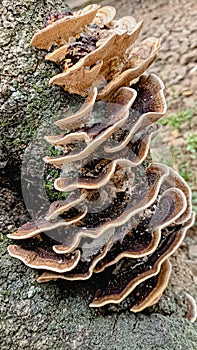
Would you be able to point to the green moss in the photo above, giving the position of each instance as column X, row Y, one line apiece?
column 50, row 175
column 191, row 143
column 194, row 201
column 176, row 120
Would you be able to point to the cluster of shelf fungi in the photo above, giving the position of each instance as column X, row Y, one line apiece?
column 123, row 213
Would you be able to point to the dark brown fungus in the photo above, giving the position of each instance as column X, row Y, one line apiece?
column 155, row 286
column 191, row 313
column 40, row 258
column 142, row 235
column 123, row 213
column 82, row 271
column 134, row 271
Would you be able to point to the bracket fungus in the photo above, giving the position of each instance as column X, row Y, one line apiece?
column 123, row 213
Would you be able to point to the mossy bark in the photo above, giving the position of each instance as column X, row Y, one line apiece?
column 56, row 315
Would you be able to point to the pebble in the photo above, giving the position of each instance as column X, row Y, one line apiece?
column 186, row 92
column 193, row 267
column 193, row 45
column 31, row 292
column 193, row 252
column 194, row 69
column 190, row 56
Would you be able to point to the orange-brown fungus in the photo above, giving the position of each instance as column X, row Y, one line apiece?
column 124, row 215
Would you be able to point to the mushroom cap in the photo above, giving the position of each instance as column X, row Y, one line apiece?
column 133, row 272
column 81, row 76
column 59, row 32
column 116, row 114
column 82, row 271
column 124, row 216
column 141, row 237
column 81, row 117
column 32, row 229
column 42, row 259
column 61, row 206
column 104, row 16
column 147, row 105
column 140, row 58
column 191, row 313
column 155, row 294
column 120, row 210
